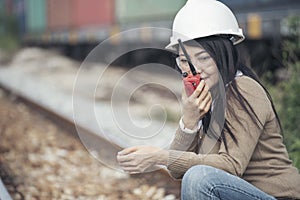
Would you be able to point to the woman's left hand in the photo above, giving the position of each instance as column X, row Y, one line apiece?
column 139, row 159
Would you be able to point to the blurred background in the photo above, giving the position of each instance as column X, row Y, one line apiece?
column 72, row 28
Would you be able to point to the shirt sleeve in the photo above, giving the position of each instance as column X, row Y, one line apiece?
column 246, row 131
column 182, row 142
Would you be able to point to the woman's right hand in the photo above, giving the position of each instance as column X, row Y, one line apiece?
column 196, row 106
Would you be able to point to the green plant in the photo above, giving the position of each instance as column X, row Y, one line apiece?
column 9, row 37
column 289, row 111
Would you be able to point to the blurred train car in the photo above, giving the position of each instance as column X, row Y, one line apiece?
column 264, row 23
column 264, row 18
column 76, row 26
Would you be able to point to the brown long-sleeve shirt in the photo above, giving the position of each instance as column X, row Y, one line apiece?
column 259, row 157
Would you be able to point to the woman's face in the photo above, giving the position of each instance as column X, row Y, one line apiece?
column 202, row 61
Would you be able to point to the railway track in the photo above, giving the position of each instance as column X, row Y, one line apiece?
column 154, row 185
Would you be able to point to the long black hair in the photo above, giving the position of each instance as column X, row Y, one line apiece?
column 228, row 61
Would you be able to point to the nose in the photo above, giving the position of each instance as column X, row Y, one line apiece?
column 199, row 70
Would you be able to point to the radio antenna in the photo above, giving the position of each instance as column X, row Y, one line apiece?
column 193, row 70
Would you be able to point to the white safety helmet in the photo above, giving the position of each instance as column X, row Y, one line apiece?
column 202, row 18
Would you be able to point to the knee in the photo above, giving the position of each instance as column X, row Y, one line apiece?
column 197, row 179
column 198, row 174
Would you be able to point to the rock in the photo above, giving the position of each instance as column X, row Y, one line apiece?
column 159, row 194
column 170, row 197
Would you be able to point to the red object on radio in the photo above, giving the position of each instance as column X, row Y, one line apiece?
column 190, row 83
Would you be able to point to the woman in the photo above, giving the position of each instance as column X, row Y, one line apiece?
column 238, row 156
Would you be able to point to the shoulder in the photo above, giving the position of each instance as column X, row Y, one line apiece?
column 249, row 88
column 252, row 93
column 249, row 85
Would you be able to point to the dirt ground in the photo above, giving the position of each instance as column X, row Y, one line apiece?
column 40, row 160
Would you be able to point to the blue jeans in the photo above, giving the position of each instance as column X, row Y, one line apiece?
column 204, row 182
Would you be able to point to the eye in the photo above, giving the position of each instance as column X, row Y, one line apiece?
column 204, row 58
column 183, row 60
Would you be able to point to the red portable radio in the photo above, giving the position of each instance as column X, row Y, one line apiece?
column 191, row 81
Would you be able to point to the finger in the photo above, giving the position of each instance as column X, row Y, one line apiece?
column 129, row 170
column 127, row 165
column 205, row 92
column 205, row 97
column 199, row 89
column 134, row 172
column 123, row 159
column 128, row 150
column 205, row 104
